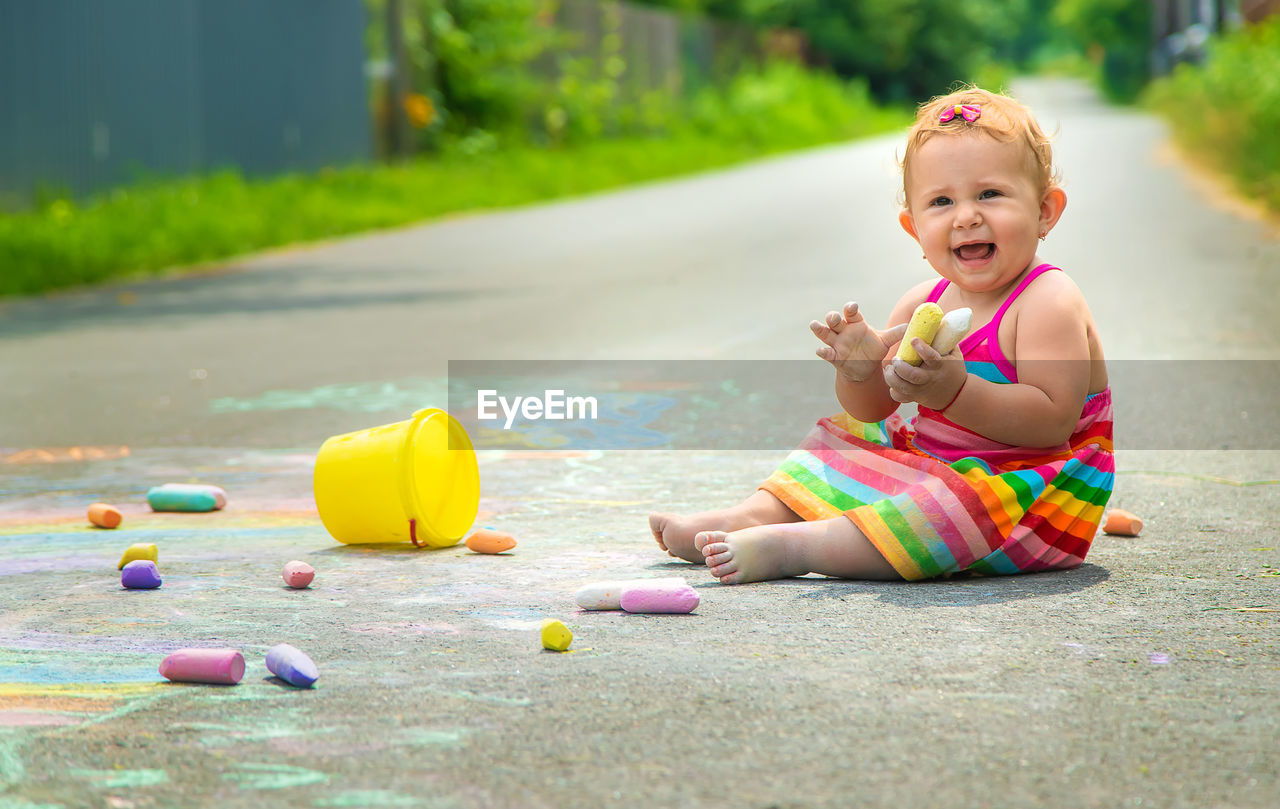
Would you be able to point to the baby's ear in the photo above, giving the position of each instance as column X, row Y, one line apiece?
column 1052, row 204
column 908, row 223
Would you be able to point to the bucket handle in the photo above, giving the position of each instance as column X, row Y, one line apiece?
column 406, row 477
column 412, row 535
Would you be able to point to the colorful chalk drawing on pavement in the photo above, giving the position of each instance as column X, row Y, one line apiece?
column 717, row 412
column 621, row 421
column 65, row 668
column 79, row 654
column 63, row 454
column 396, row 396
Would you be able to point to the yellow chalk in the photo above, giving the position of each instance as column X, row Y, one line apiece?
column 555, row 635
column 143, row 550
column 924, row 324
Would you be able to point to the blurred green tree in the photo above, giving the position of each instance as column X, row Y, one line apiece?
column 1116, row 35
column 905, row 49
column 474, row 56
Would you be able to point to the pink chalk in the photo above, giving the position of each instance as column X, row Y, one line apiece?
column 219, row 666
column 660, row 597
column 298, row 574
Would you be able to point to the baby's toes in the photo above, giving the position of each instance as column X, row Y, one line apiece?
column 727, row 571
column 704, row 538
column 717, row 553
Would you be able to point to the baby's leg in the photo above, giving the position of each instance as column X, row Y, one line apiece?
column 674, row 534
column 831, row 547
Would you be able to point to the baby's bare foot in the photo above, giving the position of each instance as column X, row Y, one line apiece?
column 752, row 554
column 674, row 534
column 658, row 524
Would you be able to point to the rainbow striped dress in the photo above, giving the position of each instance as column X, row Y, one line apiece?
column 938, row 499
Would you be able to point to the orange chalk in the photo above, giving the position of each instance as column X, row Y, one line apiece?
column 487, row 540
column 1121, row 523
column 104, row 516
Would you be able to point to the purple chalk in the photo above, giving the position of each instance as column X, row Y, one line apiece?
column 140, row 574
column 292, row 666
column 661, row 597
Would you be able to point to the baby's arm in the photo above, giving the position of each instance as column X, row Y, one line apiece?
column 860, row 352
column 1051, row 353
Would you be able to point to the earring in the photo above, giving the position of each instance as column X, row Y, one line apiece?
column 1043, row 234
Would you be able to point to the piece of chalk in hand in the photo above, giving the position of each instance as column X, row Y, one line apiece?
column 140, row 574
column 145, row 551
column 298, row 574
column 663, row 597
column 924, row 324
column 216, row 666
column 186, row 497
column 954, row 326
column 1122, row 523
column 555, row 635
column 105, row 515
column 607, row 595
column 487, row 540
column 292, row 666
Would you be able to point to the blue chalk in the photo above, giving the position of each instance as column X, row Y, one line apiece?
column 292, row 666
column 140, row 574
column 180, row 497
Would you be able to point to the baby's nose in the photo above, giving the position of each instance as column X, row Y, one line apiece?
column 967, row 215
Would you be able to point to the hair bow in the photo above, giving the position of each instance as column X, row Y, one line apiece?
column 968, row 112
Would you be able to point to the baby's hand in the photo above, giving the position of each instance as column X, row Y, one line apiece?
column 933, row 384
column 851, row 345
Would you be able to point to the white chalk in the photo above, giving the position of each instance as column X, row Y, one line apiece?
column 955, row 325
column 607, row 595
column 662, row 597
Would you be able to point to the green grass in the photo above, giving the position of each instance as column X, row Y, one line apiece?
column 152, row 227
column 1226, row 113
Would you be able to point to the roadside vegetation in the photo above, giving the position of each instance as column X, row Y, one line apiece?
column 502, row 105
column 1226, row 112
column 154, row 225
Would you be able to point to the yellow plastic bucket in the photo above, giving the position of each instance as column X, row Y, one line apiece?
column 413, row 481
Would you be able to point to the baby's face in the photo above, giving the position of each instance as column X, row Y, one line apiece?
column 975, row 209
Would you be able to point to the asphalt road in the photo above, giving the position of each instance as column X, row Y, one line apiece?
column 1148, row 677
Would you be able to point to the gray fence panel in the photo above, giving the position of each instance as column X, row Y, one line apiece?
column 139, row 116
column 284, row 90
column 96, row 93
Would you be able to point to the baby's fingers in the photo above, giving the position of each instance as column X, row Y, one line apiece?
column 834, row 321
column 893, row 335
column 895, row 383
column 930, row 358
column 822, row 332
column 909, row 373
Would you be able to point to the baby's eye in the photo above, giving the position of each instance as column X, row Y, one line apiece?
column 939, row 201
column 989, row 193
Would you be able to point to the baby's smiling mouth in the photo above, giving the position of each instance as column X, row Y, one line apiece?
column 975, row 252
